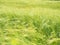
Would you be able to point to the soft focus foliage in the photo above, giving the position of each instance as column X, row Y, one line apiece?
column 29, row 23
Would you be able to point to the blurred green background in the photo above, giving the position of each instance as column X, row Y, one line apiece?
column 29, row 22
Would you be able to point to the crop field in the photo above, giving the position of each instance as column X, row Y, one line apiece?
column 29, row 22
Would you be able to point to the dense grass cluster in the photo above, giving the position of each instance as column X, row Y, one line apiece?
column 39, row 25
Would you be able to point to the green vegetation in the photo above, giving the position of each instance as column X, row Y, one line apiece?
column 29, row 22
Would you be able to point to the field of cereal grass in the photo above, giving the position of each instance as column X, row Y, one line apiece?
column 29, row 22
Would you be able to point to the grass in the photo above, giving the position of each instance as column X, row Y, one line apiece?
column 30, row 23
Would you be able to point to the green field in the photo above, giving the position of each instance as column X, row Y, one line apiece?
column 29, row 22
